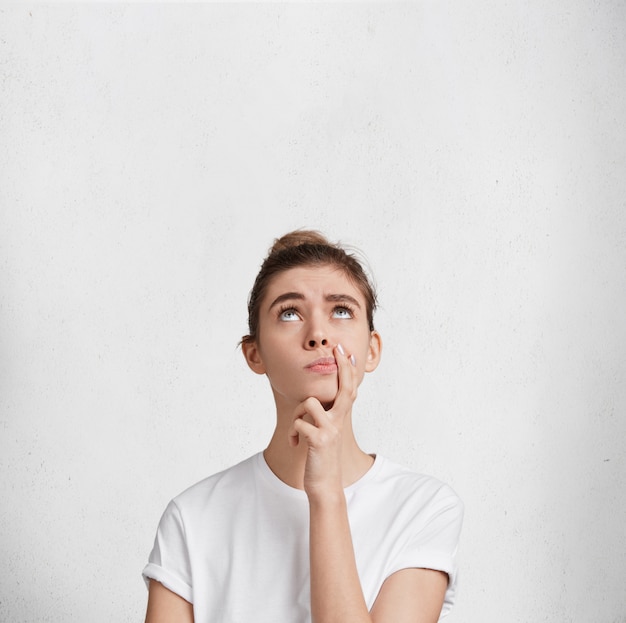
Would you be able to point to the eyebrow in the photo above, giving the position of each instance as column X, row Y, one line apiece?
column 287, row 296
column 332, row 298
column 343, row 298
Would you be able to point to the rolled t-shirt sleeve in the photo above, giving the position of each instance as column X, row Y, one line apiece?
column 434, row 543
column 169, row 560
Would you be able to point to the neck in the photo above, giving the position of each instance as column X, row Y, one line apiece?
column 288, row 462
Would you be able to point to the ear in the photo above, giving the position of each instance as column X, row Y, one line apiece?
column 374, row 352
column 253, row 357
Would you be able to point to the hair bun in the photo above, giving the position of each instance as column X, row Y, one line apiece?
column 298, row 237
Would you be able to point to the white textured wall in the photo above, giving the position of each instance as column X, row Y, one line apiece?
column 475, row 152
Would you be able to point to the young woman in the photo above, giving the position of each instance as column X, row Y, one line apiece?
column 313, row 528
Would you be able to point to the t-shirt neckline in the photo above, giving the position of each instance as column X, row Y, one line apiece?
column 282, row 487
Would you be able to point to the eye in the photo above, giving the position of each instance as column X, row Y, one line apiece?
column 288, row 314
column 342, row 312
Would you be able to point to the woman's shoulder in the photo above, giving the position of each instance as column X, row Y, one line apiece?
column 232, row 480
column 408, row 484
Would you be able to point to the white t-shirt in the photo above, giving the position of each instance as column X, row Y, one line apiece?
column 235, row 545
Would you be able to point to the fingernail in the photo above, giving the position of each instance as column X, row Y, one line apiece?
column 340, row 349
column 353, row 360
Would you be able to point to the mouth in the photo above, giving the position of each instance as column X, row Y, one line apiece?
column 324, row 365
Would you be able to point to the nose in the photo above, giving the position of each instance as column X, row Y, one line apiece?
column 316, row 335
column 312, row 343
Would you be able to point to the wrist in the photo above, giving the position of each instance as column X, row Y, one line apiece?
column 326, row 497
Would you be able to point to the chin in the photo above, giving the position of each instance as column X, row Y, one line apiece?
column 326, row 399
column 325, row 395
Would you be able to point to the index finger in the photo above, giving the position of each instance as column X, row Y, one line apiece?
column 346, row 377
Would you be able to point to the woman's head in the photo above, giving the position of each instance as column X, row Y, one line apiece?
column 306, row 248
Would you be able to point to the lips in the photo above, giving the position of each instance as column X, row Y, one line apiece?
column 323, row 365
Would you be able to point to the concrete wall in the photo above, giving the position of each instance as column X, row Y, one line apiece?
column 475, row 152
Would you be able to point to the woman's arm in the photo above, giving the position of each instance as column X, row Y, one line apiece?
column 336, row 594
column 409, row 595
column 164, row 606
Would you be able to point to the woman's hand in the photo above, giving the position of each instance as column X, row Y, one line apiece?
column 336, row 593
column 322, row 430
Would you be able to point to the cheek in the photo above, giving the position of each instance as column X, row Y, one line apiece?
column 362, row 353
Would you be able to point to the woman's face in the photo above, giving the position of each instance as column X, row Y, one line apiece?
column 306, row 312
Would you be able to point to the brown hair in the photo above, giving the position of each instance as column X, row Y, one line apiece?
column 306, row 248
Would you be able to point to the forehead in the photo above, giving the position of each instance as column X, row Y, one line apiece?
column 313, row 281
